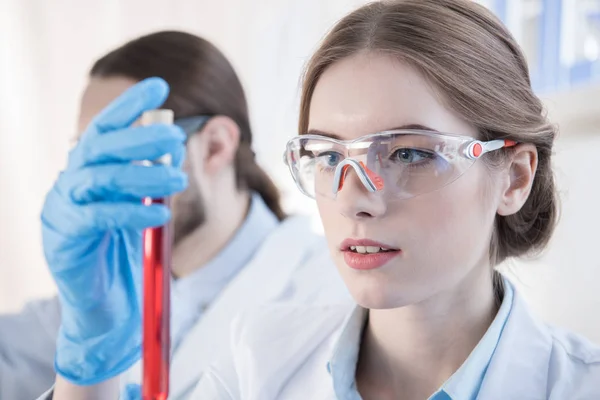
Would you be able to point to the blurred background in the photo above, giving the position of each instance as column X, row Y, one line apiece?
column 48, row 47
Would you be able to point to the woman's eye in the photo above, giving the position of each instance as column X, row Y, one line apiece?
column 330, row 158
column 411, row 156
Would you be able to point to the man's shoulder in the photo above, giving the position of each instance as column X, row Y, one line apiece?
column 272, row 342
column 282, row 328
column 43, row 315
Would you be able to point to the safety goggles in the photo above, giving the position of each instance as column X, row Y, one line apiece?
column 191, row 125
column 397, row 164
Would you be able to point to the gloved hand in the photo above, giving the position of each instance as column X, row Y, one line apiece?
column 92, row 224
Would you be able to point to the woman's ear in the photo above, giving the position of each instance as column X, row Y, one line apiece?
column 519, row 179
column 217, row 143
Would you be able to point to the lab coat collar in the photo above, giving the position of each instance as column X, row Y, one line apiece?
column 522, row 355
column 257, row 225
column 515, row 345
column 191, row 295
column 465, row 383
column 342, row 364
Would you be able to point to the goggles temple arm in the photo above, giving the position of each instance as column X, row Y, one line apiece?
column 478, row 148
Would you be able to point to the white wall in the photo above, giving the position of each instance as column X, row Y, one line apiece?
column 47, row 48
column 46, row 51
column 562, row 285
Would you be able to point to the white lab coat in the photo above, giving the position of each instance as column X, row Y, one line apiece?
column 292, row 265
column 27, row 344
column 282, row 353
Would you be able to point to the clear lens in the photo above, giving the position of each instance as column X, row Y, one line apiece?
column 409, row 163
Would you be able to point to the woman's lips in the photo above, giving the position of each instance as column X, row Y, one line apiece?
column 366, row 254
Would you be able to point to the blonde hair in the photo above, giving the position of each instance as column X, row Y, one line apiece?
column 481, row 73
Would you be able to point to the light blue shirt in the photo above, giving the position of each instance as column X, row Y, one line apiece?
column 464, row 384
column 193, row 294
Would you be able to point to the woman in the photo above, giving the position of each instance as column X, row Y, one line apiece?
column 429, row 157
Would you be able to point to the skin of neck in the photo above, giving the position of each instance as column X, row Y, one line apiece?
column 409, row 352
column 226, row 211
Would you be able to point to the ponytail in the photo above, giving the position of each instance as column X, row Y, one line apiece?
column 251, row 176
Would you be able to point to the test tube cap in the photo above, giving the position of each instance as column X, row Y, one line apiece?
column 160, row 116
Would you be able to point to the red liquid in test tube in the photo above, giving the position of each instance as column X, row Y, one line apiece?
column 157, row 244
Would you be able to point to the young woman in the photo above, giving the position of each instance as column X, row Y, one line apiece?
column 429, row 157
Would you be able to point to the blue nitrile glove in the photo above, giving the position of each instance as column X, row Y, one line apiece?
column 92, row 224
column 132, row 392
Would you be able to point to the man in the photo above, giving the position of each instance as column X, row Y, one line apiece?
column 230, row 233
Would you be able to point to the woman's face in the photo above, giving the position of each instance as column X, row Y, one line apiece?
column 443, row 237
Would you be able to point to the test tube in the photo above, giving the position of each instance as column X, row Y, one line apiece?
column 157, row 277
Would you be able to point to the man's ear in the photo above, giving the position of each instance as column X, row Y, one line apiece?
column 519, row 179
column 216, row 144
